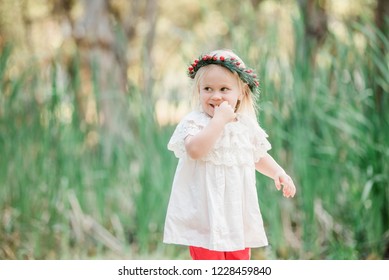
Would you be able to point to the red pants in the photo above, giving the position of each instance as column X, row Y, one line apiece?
column 198, row 253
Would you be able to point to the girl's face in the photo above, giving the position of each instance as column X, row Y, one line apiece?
column 217, row 85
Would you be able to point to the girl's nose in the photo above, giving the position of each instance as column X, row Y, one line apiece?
column 216, row 96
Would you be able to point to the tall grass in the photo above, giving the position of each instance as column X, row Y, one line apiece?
column 62, row 196
column 328, row 131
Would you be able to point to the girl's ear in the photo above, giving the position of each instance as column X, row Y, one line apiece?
column 246, row 87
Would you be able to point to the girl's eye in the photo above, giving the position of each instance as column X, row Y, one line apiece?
column 224, row 89
column 207, row 89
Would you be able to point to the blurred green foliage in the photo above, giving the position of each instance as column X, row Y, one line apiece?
column 69, row 189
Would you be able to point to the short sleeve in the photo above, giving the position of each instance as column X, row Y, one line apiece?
column 261, row 144
column 258, row 138
column 190, row 125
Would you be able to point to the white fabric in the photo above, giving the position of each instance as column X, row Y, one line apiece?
column 213, row 203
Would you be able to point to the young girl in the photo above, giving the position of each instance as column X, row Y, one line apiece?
column 213, row 206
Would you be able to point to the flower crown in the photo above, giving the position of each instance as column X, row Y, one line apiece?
column 247, row 75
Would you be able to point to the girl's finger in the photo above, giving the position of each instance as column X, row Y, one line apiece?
column 292, row 190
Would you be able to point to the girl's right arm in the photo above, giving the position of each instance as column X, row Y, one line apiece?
column 200, row 144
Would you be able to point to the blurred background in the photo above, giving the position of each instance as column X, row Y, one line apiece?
column 91, row 91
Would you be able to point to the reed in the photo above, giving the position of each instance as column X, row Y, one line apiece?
column 62, row 196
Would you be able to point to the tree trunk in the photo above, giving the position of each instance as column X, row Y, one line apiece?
column 381, row 103
column 315, row 25
column 104, row 69
column 148, row 61
column 382, row 22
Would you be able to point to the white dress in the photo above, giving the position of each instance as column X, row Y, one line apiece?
column 214, row 203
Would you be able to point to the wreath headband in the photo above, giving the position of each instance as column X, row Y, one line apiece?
column 247, row 75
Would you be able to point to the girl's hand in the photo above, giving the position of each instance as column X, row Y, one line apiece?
column 224, row 112
column 283, row 179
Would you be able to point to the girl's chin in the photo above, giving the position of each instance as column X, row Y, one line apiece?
column 209, row 111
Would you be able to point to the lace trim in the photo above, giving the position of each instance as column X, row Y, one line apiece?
column 230, row 156
column 190, row 125
column 242, row 142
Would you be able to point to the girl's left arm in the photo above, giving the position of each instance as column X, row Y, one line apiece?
column 269, row 167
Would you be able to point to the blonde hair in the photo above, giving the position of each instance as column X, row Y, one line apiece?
column 248, row 104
